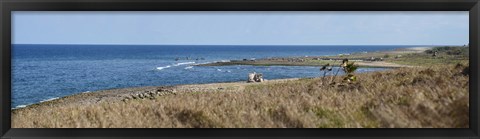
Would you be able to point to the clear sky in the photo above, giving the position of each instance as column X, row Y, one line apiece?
column 241, row 28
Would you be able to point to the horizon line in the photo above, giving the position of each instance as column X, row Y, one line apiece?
column 257, row 44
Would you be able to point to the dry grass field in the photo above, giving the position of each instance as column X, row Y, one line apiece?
column 422, row 97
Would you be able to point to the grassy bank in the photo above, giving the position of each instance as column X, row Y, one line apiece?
column 435, row 96
column 445, row 55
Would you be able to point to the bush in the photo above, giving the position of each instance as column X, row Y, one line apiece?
column 449, row 50
column 386, row 56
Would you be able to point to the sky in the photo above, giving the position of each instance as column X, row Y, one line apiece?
column 240, row 28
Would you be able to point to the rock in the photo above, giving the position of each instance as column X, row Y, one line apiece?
column 258, row 77
column 165, row 89
column 251, row 77
column 255, row 77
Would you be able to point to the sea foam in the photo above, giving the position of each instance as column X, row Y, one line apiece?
column 50, row 99
column 161, row 68
column 20, row 106
column 175, row 65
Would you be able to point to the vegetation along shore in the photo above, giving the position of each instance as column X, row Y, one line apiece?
column 426, row 87
column 383, row 59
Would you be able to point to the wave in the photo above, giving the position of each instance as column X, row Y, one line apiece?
column 189, row 67
column 184, row 63
column 161, row 68
column 23, row 106
column 50, row 99
column 20, row 106
column 175, row 65
column 220, row 70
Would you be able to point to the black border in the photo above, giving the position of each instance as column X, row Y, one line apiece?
column 6, row 6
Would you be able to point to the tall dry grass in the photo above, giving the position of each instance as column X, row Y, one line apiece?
column 407, row 97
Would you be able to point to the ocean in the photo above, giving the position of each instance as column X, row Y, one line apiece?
column 45, row 72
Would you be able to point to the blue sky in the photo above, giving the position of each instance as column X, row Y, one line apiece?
column 241, row 28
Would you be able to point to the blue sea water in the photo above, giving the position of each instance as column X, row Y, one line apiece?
column 42, row 72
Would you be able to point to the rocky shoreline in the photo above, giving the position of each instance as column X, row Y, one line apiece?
column 140, row 93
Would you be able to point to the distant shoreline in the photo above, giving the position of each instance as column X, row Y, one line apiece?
column 238, row 45
column 361, row 59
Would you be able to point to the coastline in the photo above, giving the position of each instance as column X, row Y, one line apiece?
column 365, row 59
column 403, row 102
column 406, row 97
column 119, row 94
